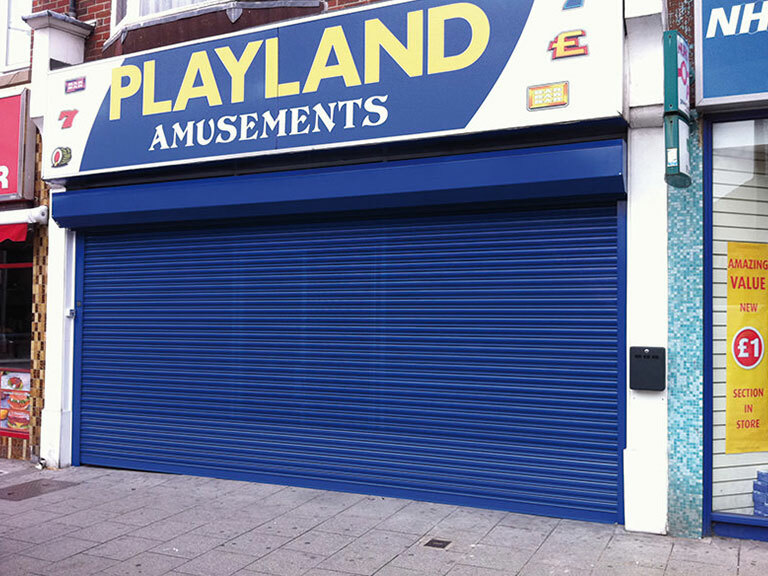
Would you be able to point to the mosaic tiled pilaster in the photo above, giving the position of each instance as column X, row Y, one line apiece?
column 685, row 352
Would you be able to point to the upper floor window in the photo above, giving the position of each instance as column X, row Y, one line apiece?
column 133, row 10
column 15, row 35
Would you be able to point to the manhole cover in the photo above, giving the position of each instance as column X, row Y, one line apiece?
column 31, row 489
column 436, row 543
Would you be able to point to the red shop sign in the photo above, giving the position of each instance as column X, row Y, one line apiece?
column 12, row 121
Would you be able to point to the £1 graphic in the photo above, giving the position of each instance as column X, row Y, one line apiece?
column 748, row 348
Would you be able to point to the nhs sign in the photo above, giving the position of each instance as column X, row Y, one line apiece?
column 731, row 54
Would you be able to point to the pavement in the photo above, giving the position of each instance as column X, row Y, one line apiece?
column 126, row 523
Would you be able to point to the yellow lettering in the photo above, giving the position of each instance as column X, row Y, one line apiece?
column 198, row 65
column 118, row 92
column 150, row 106
column 273, row 87
column 410, row 58
column 238, row 68
column 333, row 40
column 438, row 62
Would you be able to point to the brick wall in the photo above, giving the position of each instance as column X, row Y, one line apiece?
column 100, row 12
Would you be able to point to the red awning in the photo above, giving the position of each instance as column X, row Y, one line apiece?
column 13, row 232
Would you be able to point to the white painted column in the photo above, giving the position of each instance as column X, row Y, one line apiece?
column 61, row 38
column 56, row 425
column 646, row 475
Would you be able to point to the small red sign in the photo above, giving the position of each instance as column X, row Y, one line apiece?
column 748, row 348
column 10, row 145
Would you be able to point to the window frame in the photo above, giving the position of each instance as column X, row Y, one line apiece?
column 133, row 17
column 5, row 29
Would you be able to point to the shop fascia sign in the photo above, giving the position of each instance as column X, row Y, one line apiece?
column 731, row 53
column 395, row 71
column 677, row 109
column 16, row 148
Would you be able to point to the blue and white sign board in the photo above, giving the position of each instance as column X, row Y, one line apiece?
column 394, row 71
column 731, row 53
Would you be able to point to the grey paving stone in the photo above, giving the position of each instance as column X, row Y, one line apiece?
column 504, row 558
column 101, row 532
column 123, row 547
column 28, row 518
column 709, row 551
column 460, row 540
column 390, row 570
column 216, row 563
column 640, row 549
column 625, row 569
column 327, row 505
column 78, row 565
column 292, row 496
column 528, row 522
column 286, row 562
column 42, row 532
column 463, row 570
column 86, row 518
column 69, row 506
column 256, row 491
column 348, row 524
column 470, row 520
column 688, row 568
column 422, row 560
column 538, row 569
column 20, row 565
column 289, row 526
column 164, row 530
column 10, row 546
column 144, row 516
column 256, row 544
column 581, row 554
column 515, row 537
column 754, row 555
column 226, row 529
column 187, row 545
column 118, row 506
column 58, row 549
column 377, row 507
column 145, row 564
column 752, row 571
column 368, row 553
column 319, row 542
column 416, row 517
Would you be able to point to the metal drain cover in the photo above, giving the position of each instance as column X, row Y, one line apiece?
column 31, row 489
column 437, row 543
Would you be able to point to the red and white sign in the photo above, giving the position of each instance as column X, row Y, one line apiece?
column 748, row 348
column 11, row 146
column 683, row 76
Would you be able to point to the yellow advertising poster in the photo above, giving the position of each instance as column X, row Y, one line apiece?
column 746, row 368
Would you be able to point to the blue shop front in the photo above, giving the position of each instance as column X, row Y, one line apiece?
column 732, row 94
column 379, row 251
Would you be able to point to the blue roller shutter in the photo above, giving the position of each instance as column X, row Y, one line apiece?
column 462, row 358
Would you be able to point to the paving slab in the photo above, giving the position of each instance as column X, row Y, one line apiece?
column 145, row 524
column 215, row 563
column 319, row 542
column 123, row 547
column 188, row 545
column 145, row 564
column 286, row 562
column 58, row 549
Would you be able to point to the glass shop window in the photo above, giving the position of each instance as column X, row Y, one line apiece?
column 740, row 317
column 15, row 304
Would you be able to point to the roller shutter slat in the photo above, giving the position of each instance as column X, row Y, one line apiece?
column 461, row 358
